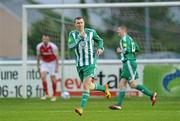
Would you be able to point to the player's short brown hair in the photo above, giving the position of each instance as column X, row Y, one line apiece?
column 123, row 27
column 78, row 18
column 45, row 34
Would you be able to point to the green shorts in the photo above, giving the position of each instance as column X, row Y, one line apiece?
column 87, row 71
column 129, row 70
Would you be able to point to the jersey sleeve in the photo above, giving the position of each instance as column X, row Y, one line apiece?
column 98, row 40
column 55, row 49
column 72, row 41
column 138, row 49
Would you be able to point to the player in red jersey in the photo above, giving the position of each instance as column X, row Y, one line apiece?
column 47, row 53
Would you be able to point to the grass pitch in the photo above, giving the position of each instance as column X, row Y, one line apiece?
column 135, row 109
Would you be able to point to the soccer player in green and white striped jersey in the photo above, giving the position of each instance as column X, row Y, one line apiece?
column 82, row 42
column 129, row 73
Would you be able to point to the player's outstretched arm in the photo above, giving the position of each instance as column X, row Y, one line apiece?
column 99, row 42
column 57, row 58
column 38, row 63
column 38, row 57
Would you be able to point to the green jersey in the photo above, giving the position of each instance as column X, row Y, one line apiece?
column 129, row 48
column 84, row 46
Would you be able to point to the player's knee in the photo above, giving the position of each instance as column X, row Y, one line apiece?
column 53, row 78
column 43, row 78
column 91, row 86
column 122, row 84
column 87, row 85
column 133, row 84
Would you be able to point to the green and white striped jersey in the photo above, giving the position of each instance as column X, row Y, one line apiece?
column 84, row 46
column 129, row 48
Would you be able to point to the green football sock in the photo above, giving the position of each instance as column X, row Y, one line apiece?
column 99, row 87
column 121, row 96
column 144, row 90
column 84, row 99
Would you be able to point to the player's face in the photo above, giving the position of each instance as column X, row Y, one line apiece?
column 45, row 39
column 120, row 31
column 79, row 24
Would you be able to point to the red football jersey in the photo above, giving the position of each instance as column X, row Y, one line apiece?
column 47, row 52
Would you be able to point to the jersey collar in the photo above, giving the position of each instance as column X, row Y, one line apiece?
column 47, row 45
column 124, row 36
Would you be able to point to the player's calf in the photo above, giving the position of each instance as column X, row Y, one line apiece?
column 154, row 98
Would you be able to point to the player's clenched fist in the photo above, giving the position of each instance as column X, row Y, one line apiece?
column 99, row 52
column 119, row 50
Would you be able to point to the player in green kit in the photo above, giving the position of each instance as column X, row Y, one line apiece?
column 129, row 73
column 82, row 42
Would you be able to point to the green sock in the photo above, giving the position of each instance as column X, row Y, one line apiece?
column 99, row 87
column 144, row 90
column 121, row 96
column 84, row 99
